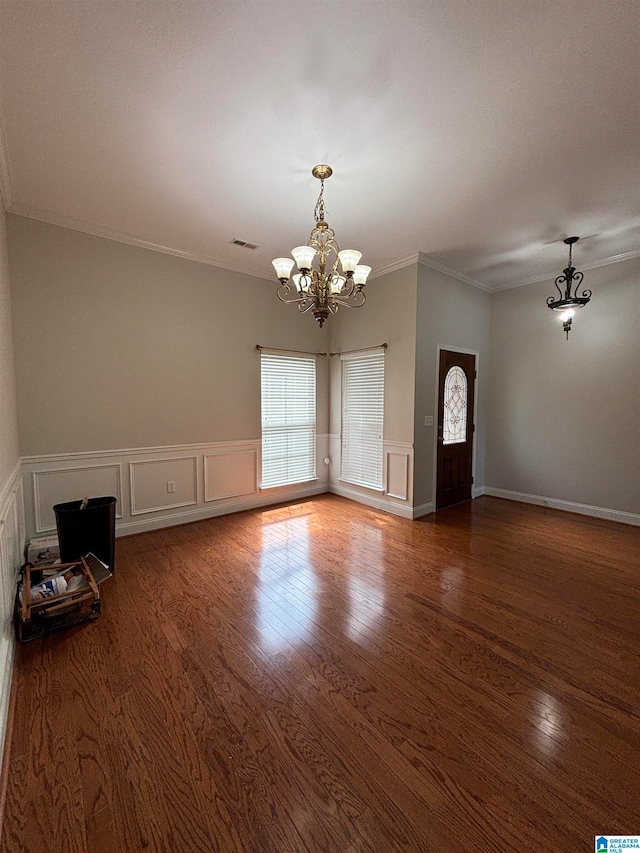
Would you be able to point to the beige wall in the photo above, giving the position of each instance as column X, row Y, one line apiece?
column 121, row 347
column 453, row 314
column 388, row 317
column 564, row 416
column 9, row 445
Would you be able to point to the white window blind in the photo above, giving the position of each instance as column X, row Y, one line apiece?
column 362, row 419
column 288, row 419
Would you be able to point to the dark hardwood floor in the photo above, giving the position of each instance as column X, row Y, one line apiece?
column 325, row 677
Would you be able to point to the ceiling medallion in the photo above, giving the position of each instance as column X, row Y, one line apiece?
column 568, row 304
column 322, row 289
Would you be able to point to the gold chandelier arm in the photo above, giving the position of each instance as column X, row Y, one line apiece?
column 356, row 303
column 283, row 292
column 301, row 307
column 348, row 290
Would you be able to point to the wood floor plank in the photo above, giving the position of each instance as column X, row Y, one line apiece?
column 321, row 677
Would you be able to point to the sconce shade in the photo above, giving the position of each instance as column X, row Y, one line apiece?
column 304, row 256
column 283, row 267
column 349, row 259
column 361, row 274
column 337, row 284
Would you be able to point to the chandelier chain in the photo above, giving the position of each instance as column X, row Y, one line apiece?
column 319, row 208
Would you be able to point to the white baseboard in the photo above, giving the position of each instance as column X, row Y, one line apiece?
column 423, row 509
column 222, row 508
column 567, row 506
column 6, row 668
column 382, row 503
column 477, row 491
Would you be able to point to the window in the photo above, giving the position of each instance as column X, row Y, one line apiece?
column 362, row 419
column 454, row 423
column 288, row 419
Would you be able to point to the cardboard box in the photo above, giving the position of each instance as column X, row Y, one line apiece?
column 43, row 550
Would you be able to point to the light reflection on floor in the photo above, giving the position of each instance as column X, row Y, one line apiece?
column 365, row 584
column 549, row 723
column 286, row 594
column 452, row 581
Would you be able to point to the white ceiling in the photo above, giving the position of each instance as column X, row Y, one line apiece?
column 479, row 132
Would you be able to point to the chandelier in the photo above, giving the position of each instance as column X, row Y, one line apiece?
column 569, row 303
column 337, row 279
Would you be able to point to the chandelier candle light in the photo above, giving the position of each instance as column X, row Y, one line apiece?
column 568, row 304
column 333, row 283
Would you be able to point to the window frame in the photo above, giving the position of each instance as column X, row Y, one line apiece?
column 285, row 428
column 347, row 362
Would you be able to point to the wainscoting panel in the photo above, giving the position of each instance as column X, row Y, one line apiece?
column 322, row 452
column 11, row 550
column 397, row 493
column 57, row 485
column 150, row 481
column 230, row 473
column 210, row 479
column 397, row 469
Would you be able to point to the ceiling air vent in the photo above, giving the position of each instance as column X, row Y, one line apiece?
column 243, row 244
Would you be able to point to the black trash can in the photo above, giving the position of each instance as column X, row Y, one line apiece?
column 90, row 529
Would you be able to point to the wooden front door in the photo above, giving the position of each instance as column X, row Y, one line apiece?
column 455, row 427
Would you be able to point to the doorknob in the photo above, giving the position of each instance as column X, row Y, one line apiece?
column 440, row 434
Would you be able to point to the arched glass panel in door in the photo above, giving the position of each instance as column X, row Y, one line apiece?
column 454, row 423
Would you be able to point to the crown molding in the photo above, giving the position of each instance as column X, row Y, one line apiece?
column 6, row 189
column 536, row 279
column 52, row 218
column 428, row 261
column 395, row 265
